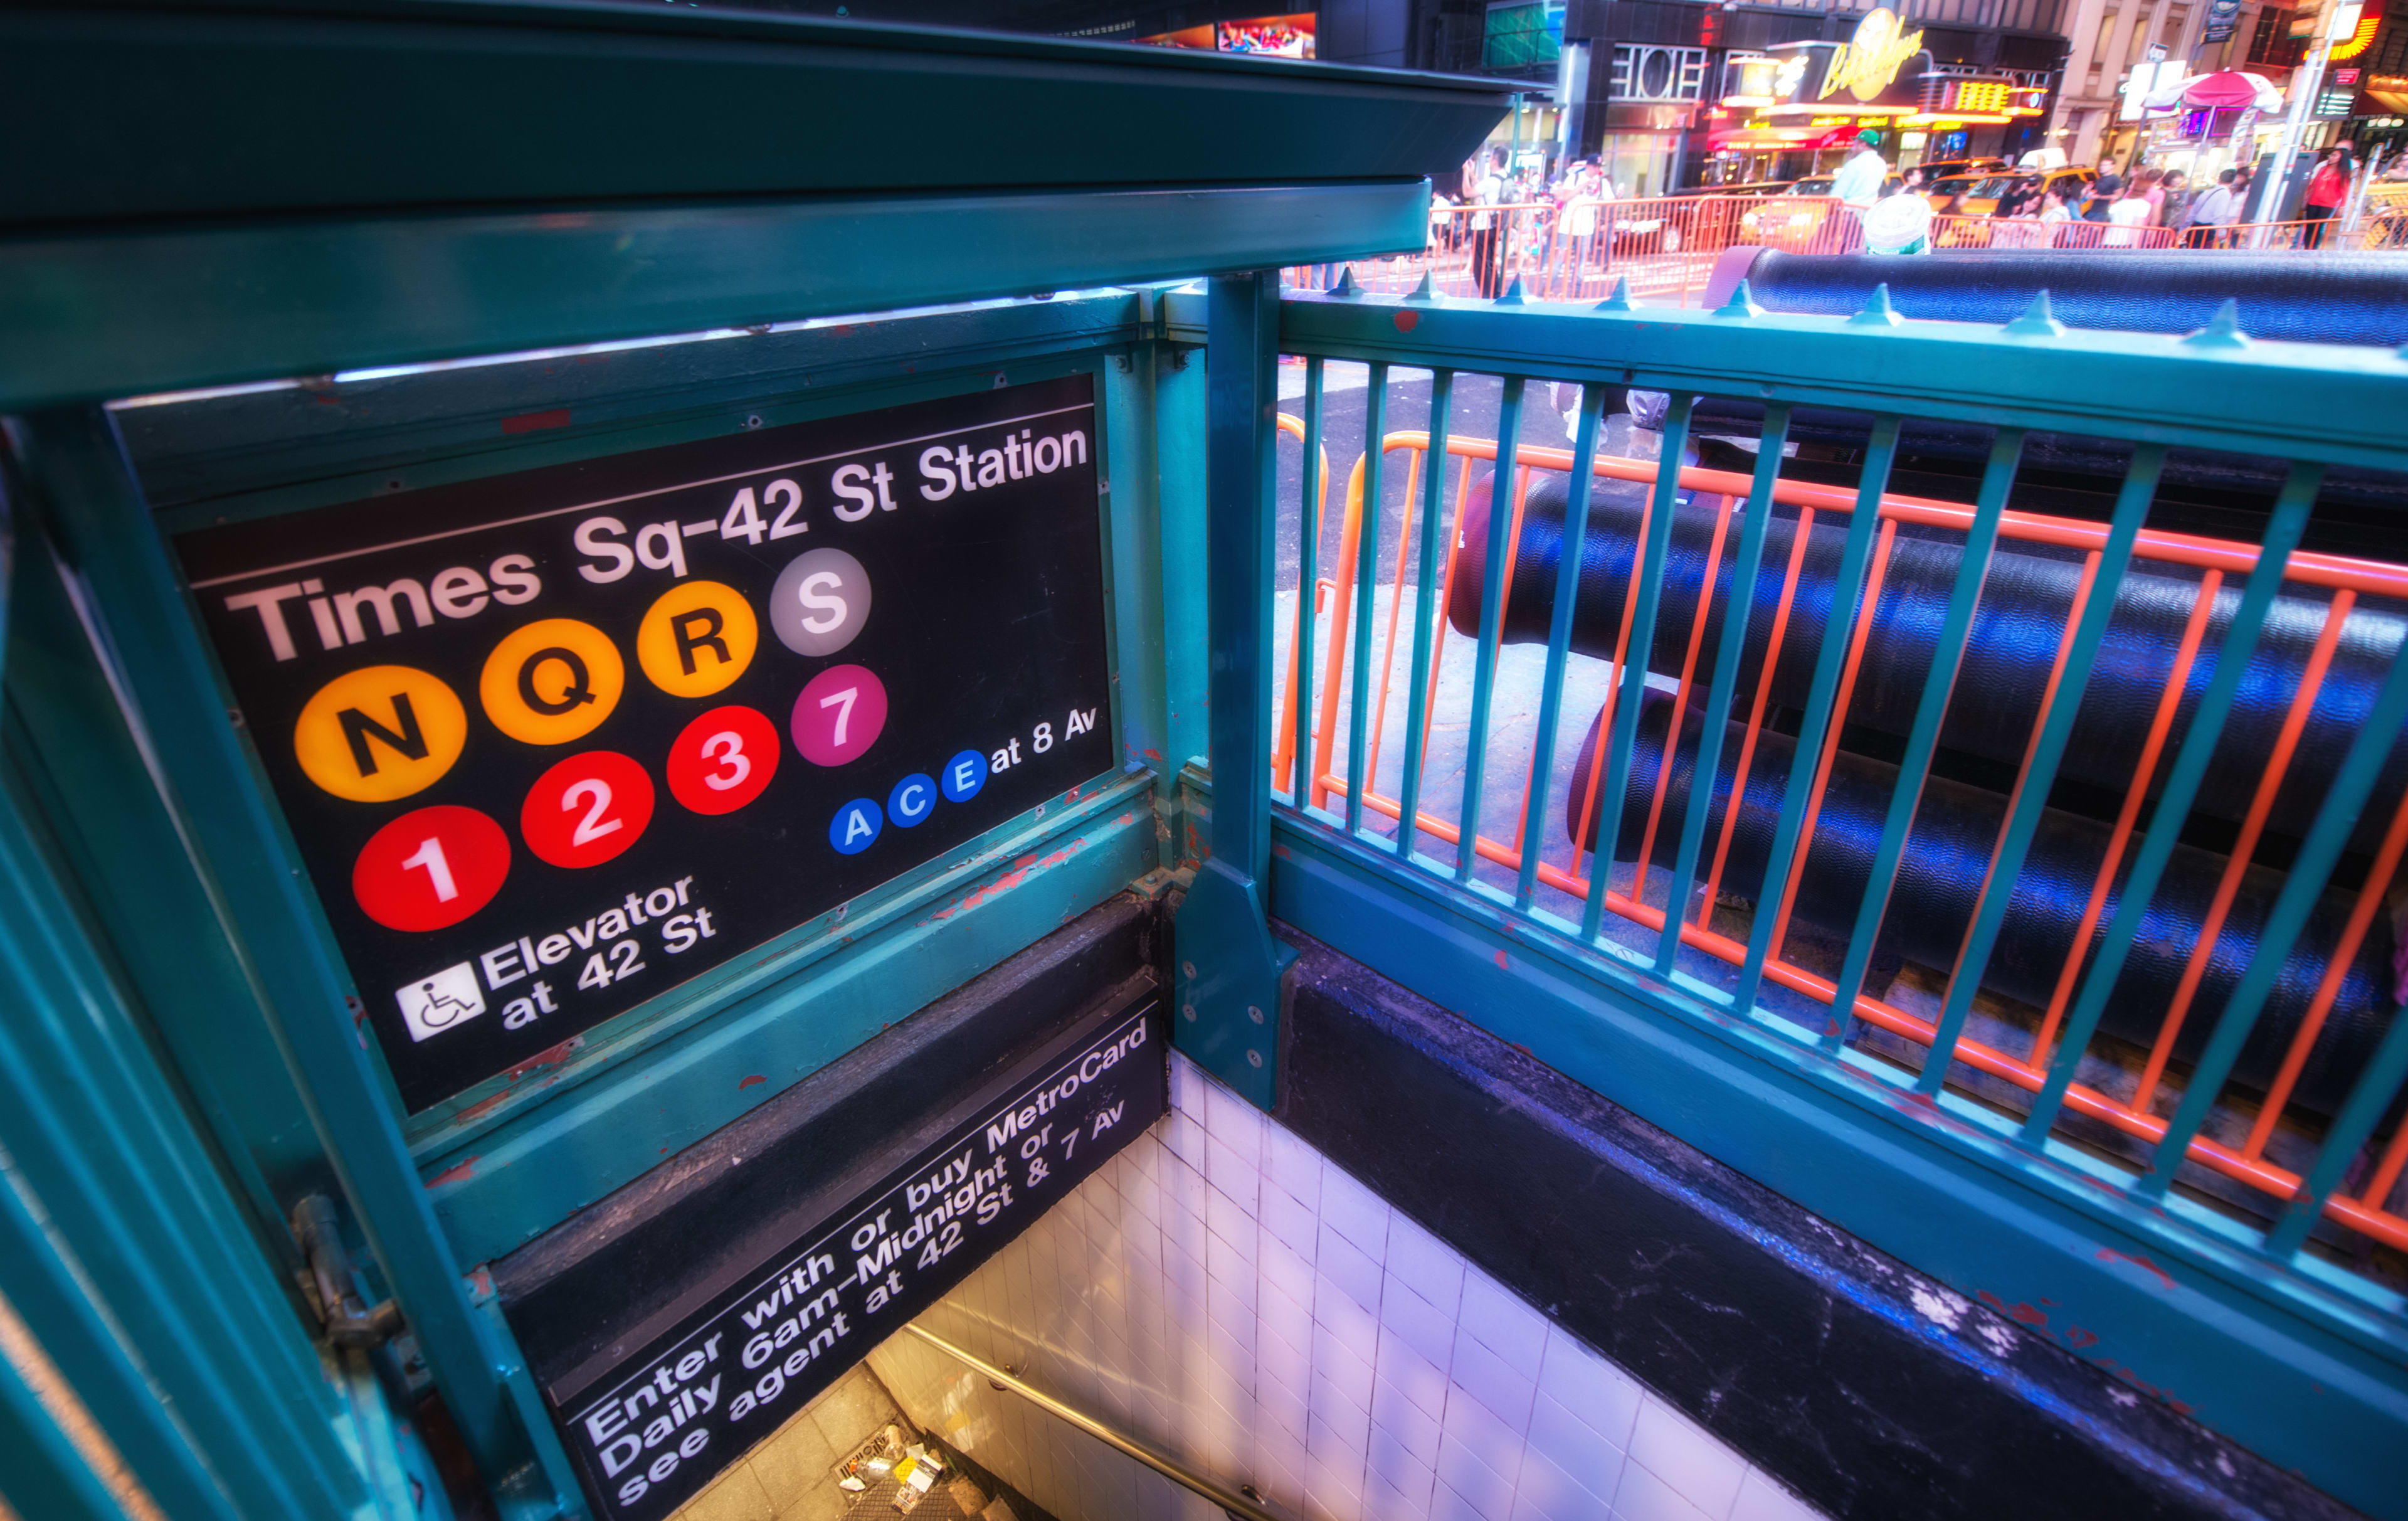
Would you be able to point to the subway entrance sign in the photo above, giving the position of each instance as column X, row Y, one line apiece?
column 552, row 743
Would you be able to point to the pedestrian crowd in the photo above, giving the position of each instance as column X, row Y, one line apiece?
column 1566, row 215
column 1511, row 216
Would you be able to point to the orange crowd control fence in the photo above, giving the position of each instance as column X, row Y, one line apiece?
column 1665, row 247
column 2239, row 1153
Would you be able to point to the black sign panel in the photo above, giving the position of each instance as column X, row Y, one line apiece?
column 649, row 1432
column 554, row 742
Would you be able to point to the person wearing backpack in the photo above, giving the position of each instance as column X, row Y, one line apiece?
column 2211, row 210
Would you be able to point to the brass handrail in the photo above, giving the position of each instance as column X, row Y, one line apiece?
column 1170, row 1468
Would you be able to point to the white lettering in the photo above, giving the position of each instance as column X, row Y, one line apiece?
column 851, row 483
column 937, row 464
column 347, row 608
column 457, row 592
column 660, row 547
column 268, row 602
column 592, row 537
column 514, row 579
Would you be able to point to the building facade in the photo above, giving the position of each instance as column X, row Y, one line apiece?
column 1673, row 95
column 2378, row 55
column 1667, row 94
column 2116, row 40
column 2119, row 44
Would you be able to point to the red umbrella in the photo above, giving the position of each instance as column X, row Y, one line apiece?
column 2227, row 90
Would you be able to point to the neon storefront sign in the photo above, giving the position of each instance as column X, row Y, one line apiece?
column 1865, row 64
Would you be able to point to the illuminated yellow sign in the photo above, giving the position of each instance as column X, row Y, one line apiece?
column 1866, row 63
column 2360, row 37
column 1979, row 96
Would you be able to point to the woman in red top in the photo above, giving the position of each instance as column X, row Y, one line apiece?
column 2326, row 188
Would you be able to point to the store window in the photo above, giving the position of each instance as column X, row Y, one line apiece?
column 1639, row 163
column 1644, row 71
column 1523, row 34
column 2140, row 38
column 2272, row 43
column 2099, row 49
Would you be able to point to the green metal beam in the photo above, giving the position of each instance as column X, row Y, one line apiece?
column 1229, row 965
column 2308, row 401
column 124, row 1244
column 40, row 1472
column 146, row 110
column 99, row 315
column 94, row 504
column 288, row 447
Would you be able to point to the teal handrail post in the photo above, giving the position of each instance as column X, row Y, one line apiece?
column 76, row 462
column 1366, row 582
column 2031, row 793
column 1502, row 498
column 1703, row 773
column 1431, row 546
column 1559, row 641
column 1307, row 575
column 2281, row 536
column 1806, row 756
column 2309, row 870
column 1229, row 965
column 1939, row 686
column 1630, row 681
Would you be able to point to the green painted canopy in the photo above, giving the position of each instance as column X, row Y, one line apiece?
column 203, row 194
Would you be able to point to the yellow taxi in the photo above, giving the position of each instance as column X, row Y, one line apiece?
column 1980, row 193
column 1949, row 168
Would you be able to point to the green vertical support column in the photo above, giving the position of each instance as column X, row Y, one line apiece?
column 1178, row 484
column 120, row 1248
column 1133, row 512
column 45, row 1476
column 77, row 467
column 1229, row 965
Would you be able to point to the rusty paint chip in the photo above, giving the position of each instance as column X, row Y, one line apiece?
column 537, row 422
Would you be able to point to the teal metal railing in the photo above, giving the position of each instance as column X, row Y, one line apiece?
column 1764, row 1024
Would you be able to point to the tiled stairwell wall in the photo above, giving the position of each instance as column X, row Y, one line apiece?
column 1223, row 1293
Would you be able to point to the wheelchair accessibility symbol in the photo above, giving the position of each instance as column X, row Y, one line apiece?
column 432, row 1005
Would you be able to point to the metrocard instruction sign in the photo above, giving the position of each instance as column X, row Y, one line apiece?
column 649, row 1428
column 554, row 742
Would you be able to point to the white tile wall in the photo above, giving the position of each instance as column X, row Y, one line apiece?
column 1223, row 1292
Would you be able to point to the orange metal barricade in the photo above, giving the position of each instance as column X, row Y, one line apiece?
column 1284, row 732
column 1665, row 247
column 2214, row 563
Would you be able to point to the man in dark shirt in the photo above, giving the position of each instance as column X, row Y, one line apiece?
column 2022, row 198
column 2103, row 195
